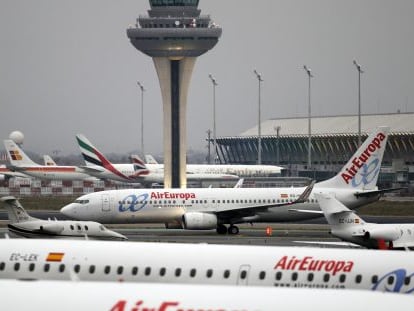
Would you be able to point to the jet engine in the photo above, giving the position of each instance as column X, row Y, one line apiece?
column 51, row 228
column 386, row 234
column 199, row 221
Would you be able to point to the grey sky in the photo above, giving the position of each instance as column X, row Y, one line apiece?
column 67, row 67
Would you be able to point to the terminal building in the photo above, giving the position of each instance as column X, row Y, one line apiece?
column 334, row 140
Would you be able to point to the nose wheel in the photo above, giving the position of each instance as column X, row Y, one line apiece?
column 222, row 229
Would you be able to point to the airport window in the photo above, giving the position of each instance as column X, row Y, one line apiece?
column 209, row 273
column 76, row 268
column 342, row 278
column 358, row 278
column 193, row 272
column 61, row 268
column 407, row 280
column 226, row 274
column 120, row 270
column 177, row 272
column 17, row 266
column 32, row 267
column 326, row 277
column 134, row 271
column 310, row 277
column 147, row 271
column 390, row 280
column 163, row 271
column 374, row 279
column 294, row 276
column 92, row 269
column 278, row 276
column 2, row 266
column 262, row 275
column 46, row 267
column 107, row 269
column 243, row 274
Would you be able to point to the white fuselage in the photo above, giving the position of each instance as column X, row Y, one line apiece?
column 169, row 205
column 55, row 172
column 118, row 296
column 207, row 264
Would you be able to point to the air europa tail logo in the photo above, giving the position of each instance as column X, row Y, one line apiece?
column 361, row 160
column 308, row 263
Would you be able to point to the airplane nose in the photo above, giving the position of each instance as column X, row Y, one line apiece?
column 69, row 210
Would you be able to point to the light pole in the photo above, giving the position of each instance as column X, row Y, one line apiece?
column 142, row 116
column 259, row 134
column 214, row 82
column 309, row 72
column 358, row 67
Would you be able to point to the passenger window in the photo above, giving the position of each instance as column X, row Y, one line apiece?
column 134, row 271
column 2, row 266
column 278, row 276
column 226, row 274
column 46, row 267
column 120, row 270
column 86, row 228
column 342, row 278
column 193, row 272
column 177, row 272
column 17, row 266
column 358, row 278
column 326, row 277
column 390, row 280
column 92, row 269
column 147, row 271
column 31, row 267
column 310, row 277
column 76, row 268
column 209, row 273
column 71, row 227
column 374, row 279
column 79, row 227
column 107, row 269
column 262, row 275
column 163, row 271
column 407, row 280
column 294, row 276
column 243, row 274
column 61, row 268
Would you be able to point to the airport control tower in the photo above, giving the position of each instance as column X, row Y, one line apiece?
column 174, row 34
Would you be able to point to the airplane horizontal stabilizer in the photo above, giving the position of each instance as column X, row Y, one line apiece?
column 367, row 194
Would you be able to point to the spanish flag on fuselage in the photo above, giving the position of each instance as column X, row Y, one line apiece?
column 55, row 257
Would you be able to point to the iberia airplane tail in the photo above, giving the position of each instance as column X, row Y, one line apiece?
column 16, row 155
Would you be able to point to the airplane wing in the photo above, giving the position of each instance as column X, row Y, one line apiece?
column 367, row 194
column 92, row 169
column 251, row 212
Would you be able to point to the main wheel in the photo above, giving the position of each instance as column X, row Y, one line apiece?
column 233, row 230
column 221, row 229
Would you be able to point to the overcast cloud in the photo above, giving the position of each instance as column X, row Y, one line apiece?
column 67, row 67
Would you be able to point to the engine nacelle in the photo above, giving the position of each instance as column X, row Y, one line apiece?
column 51, row 228
column 199, row 221
column 386, row 234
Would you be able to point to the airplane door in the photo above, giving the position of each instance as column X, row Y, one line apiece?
column 243, row 277
column 106, row 206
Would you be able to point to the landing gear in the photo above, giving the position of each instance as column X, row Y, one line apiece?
column 233, row 230
column 221, row 229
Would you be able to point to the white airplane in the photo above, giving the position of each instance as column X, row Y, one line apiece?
column 263, row 266
column 354, row 185
column 6, row 173
column 115, row 296
column 22, row 224
column 348, row 226
column 99, row 166
column 21, row 162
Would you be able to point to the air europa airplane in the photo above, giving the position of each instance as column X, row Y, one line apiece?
column 52, row 295
column 296, row 267
column 197, row 209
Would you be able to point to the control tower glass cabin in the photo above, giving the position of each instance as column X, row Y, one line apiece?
column 174, row 34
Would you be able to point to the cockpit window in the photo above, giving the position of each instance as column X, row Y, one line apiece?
column 79, row 201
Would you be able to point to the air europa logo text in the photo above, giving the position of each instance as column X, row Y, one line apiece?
column 172, row 195
column 308, row 263
column 359, row 161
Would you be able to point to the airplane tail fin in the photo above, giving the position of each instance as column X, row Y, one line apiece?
column 362, row 170
column 16, row 155
column 91, row 155
column 140, row 167
column 47, row 159
column 15, row 210
column 336, row 213
column 149, row 159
